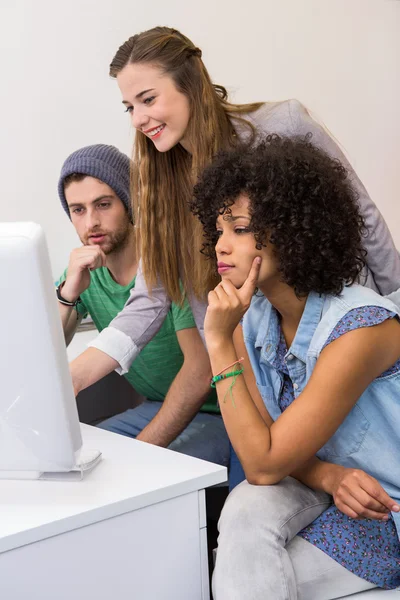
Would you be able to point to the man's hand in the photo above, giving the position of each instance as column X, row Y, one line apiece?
column 81, row 262
column 360, row 496
column 227, row 305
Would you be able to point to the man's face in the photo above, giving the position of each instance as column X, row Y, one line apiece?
column 98, row 215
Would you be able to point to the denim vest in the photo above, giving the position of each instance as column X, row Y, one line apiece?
column 369, row 437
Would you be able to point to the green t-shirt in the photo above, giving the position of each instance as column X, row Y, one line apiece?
column 153, row 371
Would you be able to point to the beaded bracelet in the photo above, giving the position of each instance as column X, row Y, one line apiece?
column 235, row 362
column 234, row 375
column 219, row 377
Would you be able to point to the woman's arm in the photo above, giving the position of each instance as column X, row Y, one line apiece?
column 383, row 259
column 343, row 371
column 355, row 493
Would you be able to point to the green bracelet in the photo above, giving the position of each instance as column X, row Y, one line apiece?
column 217, row 378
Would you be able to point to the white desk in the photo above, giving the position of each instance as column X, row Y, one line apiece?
column 134, row 528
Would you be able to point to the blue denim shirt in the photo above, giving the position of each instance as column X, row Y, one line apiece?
column 369, row 437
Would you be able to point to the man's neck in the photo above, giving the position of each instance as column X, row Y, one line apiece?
column 122, row 263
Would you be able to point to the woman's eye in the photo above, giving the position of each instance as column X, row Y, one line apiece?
column 129, row 109
column 103, row 205
column 148, row 100
column 77, row 211
column 240, row 230
column 218, row 233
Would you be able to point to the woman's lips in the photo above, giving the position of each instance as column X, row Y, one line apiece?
column 157, row 132
column 222, row 268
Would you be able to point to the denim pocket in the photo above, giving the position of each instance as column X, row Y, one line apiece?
column 348, row 438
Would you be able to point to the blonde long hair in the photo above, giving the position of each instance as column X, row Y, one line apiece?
column 170, row 238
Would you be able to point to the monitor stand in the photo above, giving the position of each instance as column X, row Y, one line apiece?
column 88, row 460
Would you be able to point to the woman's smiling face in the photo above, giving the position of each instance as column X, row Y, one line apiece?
column 157, row 108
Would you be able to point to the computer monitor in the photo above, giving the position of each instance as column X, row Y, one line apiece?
column 39, row 426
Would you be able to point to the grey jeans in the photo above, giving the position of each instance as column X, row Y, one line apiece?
column 260, row 556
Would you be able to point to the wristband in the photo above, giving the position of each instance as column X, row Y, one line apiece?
column 63, row 300
column 220, row 377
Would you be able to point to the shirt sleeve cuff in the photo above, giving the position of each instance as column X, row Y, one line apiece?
column 118, row 345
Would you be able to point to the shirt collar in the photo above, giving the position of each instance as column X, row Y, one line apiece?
column 308, row 324
column 269, row 329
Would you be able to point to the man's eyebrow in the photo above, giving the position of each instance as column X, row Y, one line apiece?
column 98, row 199
column 138, row 96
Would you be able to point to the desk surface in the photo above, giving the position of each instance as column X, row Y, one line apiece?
column 131, row 475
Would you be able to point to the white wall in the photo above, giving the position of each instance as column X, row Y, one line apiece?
column 339, row 57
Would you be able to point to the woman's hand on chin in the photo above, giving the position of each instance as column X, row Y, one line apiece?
column 227, row 305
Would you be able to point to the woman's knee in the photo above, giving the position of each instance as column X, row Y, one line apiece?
column 272, row 507
column 247, row 504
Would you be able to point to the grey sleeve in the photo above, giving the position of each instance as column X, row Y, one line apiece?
column 134, row 327
column 383, row 259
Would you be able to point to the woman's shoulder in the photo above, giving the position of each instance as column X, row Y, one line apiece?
column 277, row 117
column 356, row 295
column 335, row 308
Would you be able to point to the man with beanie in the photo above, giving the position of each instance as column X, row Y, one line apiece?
column 172, row 371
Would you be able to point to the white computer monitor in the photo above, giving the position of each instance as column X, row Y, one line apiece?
column 39, row 426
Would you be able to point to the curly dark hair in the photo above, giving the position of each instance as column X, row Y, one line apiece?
column 301, row 201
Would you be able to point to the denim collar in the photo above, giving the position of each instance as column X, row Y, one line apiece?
column 269, row 329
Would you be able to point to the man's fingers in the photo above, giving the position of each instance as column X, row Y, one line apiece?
column 87, row 257
column 103, row 258
column 247, row 290
column 99, row 258
column 96, row 259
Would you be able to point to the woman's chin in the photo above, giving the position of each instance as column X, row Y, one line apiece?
column 167, row 143
column 236, row 281
column 162, row 147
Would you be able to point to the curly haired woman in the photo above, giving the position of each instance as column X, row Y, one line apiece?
column 308, row 375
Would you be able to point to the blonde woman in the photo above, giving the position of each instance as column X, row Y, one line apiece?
column 182, row 119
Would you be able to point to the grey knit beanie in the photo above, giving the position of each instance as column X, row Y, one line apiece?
column 106, row 163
